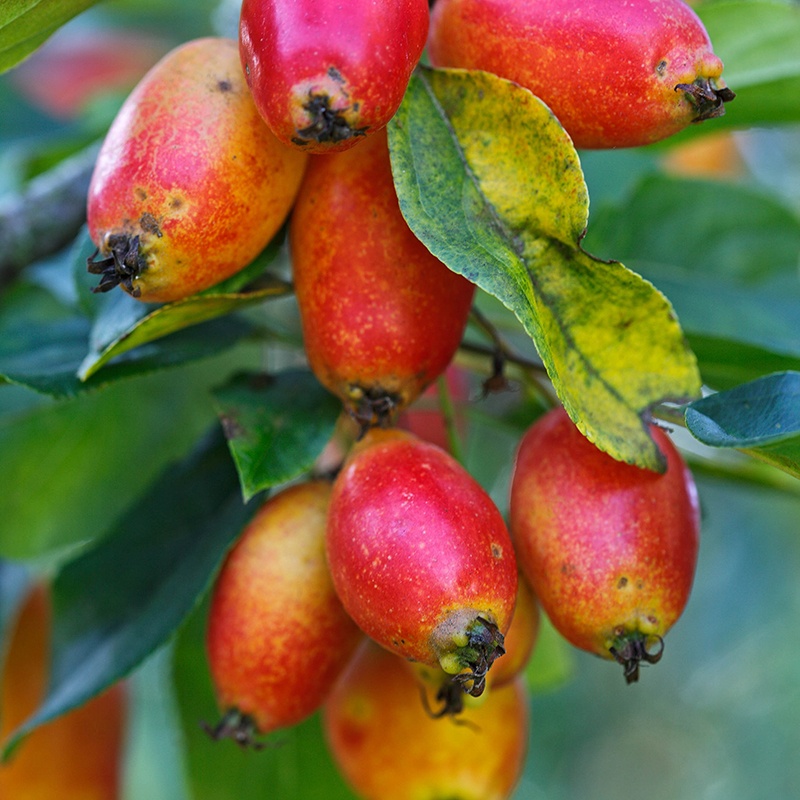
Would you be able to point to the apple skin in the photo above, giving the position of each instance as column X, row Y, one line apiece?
column 607, row 70
column 420, row 555
column 609, row 549
column 77, row 756
column 189, row 185
column 324, row 74
column 382, row 317
column 389, row 748
column 277, row 634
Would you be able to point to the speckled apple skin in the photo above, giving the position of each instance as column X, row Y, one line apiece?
column 389, row 748
column 609, row 549
column 380, row 313
column 411, row 539
column 277, row 634
column 358, row 54
column 607, row 69
column 189, row 166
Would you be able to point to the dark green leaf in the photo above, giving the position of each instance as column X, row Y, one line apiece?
column 276, row 425
column 26, row 24
column 761, row 418
column 117, row 603
column 489, row 181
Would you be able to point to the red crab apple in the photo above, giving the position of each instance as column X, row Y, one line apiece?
column 609, row 549
column 420, row 555
column 616, row 74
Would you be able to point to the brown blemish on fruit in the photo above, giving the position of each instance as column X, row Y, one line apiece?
column 176, row 203
column 497, row 551
column 149, row 224
column 224, row 86
column 140, row 194
column 622, row 583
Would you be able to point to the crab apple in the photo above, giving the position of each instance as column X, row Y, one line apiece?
column 610, row 549
column 420, row 555
column 388, row 747
column 77, row 756
column 382, row 317
column 189, row 184
column 277, row 634
column 615, row 74
column 324, row 74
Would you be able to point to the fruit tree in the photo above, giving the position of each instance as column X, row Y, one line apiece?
column 399, row 399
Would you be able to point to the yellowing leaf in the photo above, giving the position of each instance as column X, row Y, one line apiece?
column 490, row 182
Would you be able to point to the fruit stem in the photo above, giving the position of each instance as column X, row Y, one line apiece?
column 470, row 662
column 630, row 649
column 237, row 726
column 122, row 266
column 707, row 99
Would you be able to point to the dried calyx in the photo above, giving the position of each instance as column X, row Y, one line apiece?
column 122, row 266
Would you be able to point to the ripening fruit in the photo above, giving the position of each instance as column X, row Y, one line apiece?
column 615, row 74
column 77, row 756
column 324, row 74
column 389, row 748
column 609, row 549
column 189, row 185
column 420, row 555
column 382, row 317
column 277, row 634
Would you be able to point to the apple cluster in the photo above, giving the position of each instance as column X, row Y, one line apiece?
column 393, row 595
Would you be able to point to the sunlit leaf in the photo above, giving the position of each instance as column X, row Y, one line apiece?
column 276, row 425
column 761, row 418
column 26, row 24
column 489, row 181
column 115, row 604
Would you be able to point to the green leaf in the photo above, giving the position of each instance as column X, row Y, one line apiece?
column 117, row 603
column 26, row 24
column 762, row 418
column 552, row 663
column 276, row 425
column 732, row 278
column 758, row 43
column 122, row 324
column 47, row 358
column 489, row 181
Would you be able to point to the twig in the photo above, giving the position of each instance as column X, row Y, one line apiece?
column 46, row 215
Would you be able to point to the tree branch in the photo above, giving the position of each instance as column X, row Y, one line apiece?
column 46, row 215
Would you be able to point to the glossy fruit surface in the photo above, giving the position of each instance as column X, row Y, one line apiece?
column 277, row 634
column 420, row 555
column 324, row 73
column 381, row 316
column 189, row 185
column 610, row 549
column 77, row 756
column 389, row 748
column 615, row 74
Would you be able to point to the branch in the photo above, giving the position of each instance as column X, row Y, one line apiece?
column 46, row 215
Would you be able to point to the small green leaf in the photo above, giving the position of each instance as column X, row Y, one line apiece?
column 26, row 24
column 762, row 418
column 117, row 603
column 490, row 182
column 276, row 425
